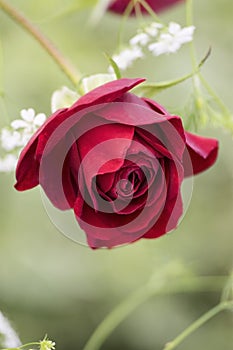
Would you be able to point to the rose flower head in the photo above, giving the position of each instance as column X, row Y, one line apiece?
column 119, row 6
column 118, row 161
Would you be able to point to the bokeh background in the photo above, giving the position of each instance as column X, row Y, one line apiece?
column 49, row 284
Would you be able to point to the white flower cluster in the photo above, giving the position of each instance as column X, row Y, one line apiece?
column 15, row 137
column 156, row 38
column 172, row 39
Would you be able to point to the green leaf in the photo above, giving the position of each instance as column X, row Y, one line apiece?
column 114, row 66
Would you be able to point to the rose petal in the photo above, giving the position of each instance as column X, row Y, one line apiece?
column 28, row 166
column 119, row 6
column 203, row 152
column 173, row 208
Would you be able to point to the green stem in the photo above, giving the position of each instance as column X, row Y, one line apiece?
column 72, row 74
column 125, row 308
column 197, row 324
column 125, row 16
column 199, row 77
column 24, row 346
column 189, row 21
column 215, row 96
column 150, row 11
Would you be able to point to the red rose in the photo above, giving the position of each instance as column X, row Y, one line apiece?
column 118, row 161
column 119, row 6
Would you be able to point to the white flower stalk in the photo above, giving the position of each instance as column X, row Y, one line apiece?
column 8, row 337
column 62, row 98
column 172, row 40
column 156, row 38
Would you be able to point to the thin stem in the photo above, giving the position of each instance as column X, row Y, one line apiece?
column 23, row 346
column 214, row 95
column 189, row 21
column 72, row 74
column 125, row 16
column 150, row 11
column 199, row 77
column 197, row 324
column 125, row 308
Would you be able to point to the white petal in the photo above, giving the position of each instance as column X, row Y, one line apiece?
column 93, row 81
column 9, row 139
column 7, row 164
column 28, row 114
column 18, row 124
column 174, row 28
column 63, row 98
column 39, row 119
column 159, row 48
column 140, row 39
column 153, row 29
column 10, row 338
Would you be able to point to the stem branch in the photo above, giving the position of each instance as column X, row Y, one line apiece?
column 197, row 324
column 126, row 307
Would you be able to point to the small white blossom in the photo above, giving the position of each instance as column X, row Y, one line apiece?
column 15, row 137
column 8, row 164
column 153, row 29
column 171, row 41
column 30, row 122
column 93, row 81
column 183, row 35
column 63, row 98
column 140, row 39
column 10, row 139
column 10, row 338
column 126, row 57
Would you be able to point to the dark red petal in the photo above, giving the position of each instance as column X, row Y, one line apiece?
column 28, row 166
column 203, row 152
column 109, row 230
column 102, row 150
column 119, row 6
column 165, row 139
column 58, row 174
column 155, row 106
column 108, row 92
column 173, row 208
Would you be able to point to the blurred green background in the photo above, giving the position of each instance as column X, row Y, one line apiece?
column 48, row 284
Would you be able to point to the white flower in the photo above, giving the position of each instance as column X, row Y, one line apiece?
column 10, row 139
column 181, row 35
column 126, row 57
column 8, row 164
column 93, row 81
column 63, row 98
column 10, row 338
column 17, row 136
column 24, row 128
column 171, row 41
column 140, row 39
column 153, row 29
column 30, row 122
